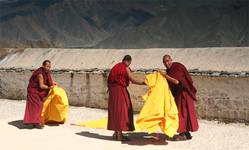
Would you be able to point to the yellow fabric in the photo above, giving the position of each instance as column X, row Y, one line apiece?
column 159, row 110
column 55, row 107
column 101, row 124
column 98, row 124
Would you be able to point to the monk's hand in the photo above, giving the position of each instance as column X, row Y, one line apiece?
column 54, row 83
column 161, row 72
column 50, row 87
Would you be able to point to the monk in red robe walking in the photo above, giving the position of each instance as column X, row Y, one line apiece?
column 38, row 88
column 184, row 93
column 120, row 112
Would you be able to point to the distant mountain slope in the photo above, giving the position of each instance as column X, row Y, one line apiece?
column 124, row 23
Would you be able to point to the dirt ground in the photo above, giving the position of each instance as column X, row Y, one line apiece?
column 15, row 136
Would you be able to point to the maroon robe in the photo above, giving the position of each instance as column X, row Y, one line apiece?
column 36, row 96
column 185, row 95
column 120, row 112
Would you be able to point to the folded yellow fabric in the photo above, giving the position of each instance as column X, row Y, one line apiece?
column 55, row 107
column 159, row 110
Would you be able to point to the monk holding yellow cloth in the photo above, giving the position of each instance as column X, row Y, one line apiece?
column 158, row 113
column 39, row 85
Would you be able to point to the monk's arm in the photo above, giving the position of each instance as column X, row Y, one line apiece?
column 41, row 82
column 170, row 79
column 133, row 79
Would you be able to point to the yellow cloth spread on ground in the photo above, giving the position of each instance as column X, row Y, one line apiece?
column 98, row 124
column 55, row 107
column 159, row 110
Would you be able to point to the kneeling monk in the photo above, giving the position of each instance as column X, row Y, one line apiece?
column 120, row 112
column 38, row 88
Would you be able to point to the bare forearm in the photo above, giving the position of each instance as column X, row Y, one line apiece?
column 41, row 83
column 138, row 82
column 172, row 80
column 133, row 79
column 44, row 87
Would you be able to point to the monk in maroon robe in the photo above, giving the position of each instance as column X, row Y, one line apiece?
column 38, row 88
column 184, row 93
column 120, row 112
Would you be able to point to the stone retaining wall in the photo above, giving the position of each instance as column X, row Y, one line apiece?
column 222, row 98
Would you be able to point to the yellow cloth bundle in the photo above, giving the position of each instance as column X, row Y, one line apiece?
column 55, row 107
column 159, row 110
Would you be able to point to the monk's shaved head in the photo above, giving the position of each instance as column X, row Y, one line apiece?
column 167, row 57
column 167, row 61
column 46, row 64
column 127, row 60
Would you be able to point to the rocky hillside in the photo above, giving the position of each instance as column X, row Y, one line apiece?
column 124, row 23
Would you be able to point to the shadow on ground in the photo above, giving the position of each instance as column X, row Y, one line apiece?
column 54, row 124
column 95, row 135
column 143, row 138
column 19, row 124
column 137, row 138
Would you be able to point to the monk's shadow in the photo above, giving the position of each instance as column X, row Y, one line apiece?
column 95, row 136
column 137, row 138
column 19, row 124
column 53, row 124
column 143, row 138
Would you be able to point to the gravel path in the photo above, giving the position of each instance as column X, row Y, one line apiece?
column 212, row 135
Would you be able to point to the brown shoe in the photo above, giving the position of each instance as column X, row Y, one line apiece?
column 179, row 138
